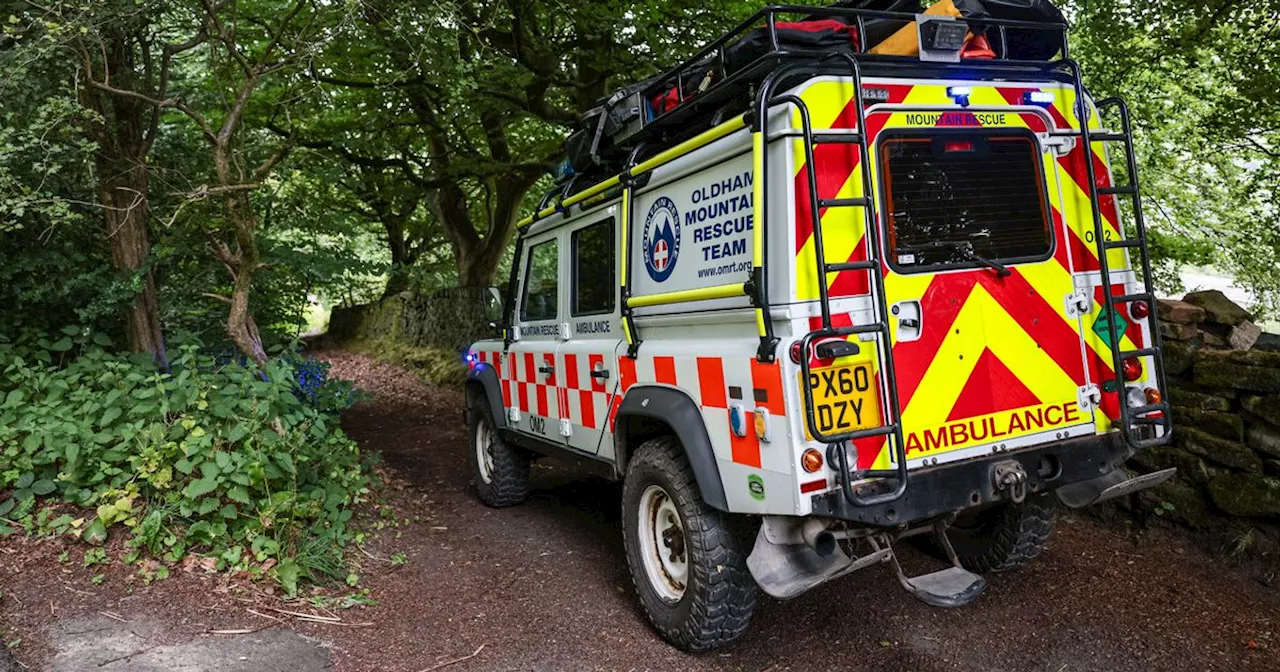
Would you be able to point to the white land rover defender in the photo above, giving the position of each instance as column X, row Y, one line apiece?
column 844, row 277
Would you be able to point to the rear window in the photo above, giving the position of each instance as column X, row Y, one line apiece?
column 952, row 198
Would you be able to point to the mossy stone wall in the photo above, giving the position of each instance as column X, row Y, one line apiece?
column 1224, row 389
column 424, row 332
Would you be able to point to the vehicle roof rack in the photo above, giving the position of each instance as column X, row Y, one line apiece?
column 661, row 129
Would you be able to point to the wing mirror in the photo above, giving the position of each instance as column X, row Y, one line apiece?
column 493, row 308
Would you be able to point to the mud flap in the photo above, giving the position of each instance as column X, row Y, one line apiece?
column 1115, row 484
column 786, row 570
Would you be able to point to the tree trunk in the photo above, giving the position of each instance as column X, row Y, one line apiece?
column 478, row 257
column 124, row 198
column 398, row 276
column 122, row 182
column 241, row 327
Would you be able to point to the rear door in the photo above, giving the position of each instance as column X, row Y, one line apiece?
column 986, row 356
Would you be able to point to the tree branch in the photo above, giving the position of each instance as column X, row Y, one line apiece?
column 267, row 166
column 228, row 40
column 174, row 103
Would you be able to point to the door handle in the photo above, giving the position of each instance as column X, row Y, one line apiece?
column 547, row 370
column 602, row 374
column 910, row 320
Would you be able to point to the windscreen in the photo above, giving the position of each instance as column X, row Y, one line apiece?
column 958, row 199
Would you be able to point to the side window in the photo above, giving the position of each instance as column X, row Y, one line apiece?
column 594, row 284
column 541, row 282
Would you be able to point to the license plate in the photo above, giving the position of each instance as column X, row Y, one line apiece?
column 844, row 399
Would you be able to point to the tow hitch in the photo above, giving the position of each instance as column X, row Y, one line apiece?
column 1009, row 475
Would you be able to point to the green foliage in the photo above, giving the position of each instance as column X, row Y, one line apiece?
column 95, row 556
column 416, row 126
column 223, row 460
column 1206, row 104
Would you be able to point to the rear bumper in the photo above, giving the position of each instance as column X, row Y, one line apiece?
column 954, row 487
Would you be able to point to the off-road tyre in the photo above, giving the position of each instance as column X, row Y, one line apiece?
column 720, row 594
column 1004, row 537
column 507, row 481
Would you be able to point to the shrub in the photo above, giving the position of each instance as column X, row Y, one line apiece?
column 246, row 465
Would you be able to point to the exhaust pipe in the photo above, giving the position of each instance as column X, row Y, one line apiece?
column 816, row 536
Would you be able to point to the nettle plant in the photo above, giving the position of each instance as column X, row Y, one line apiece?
column 242, row 464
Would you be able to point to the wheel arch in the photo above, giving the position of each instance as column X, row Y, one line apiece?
column 648, row 411
column 482, row 383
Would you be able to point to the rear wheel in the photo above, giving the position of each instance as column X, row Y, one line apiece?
column 1004, row 537
column 686, row 563
column 501, row 471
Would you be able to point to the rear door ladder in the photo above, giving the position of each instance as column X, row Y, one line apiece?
column 1153, row 416
column 838, row 444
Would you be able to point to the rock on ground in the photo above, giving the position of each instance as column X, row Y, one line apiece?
column 98, row 644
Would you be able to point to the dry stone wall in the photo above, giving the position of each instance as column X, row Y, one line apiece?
column 423, row 332
column 1224, row 389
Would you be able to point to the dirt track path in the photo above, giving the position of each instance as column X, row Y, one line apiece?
column 544, row 586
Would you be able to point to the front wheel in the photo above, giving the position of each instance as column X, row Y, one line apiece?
column 501, row 471
column 686, row 563
column 1004, row 537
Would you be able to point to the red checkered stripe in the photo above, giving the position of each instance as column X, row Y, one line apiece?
column 712, row 382
column 585, row 401
column 494, row 359
column 531, row 391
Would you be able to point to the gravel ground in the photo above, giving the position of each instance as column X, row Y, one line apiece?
column 544, row 586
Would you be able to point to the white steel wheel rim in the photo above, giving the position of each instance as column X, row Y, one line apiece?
column 484, row 451
column 664, row 551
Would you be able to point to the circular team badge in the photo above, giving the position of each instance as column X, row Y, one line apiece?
column 661, row 239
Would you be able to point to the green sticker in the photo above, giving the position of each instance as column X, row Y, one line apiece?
column 1104, row 321
column 755, row 484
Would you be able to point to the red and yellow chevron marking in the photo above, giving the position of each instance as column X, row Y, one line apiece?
column 998, row 357
column 840, row 176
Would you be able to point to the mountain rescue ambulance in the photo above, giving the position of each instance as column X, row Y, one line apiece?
column 807, row 299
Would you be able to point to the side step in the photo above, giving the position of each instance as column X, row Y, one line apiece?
column 950, row 587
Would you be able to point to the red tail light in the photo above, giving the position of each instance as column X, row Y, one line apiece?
column 1131, row 368
column 1139, row 310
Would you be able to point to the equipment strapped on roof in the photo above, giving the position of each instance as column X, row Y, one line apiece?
column 715, row 84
